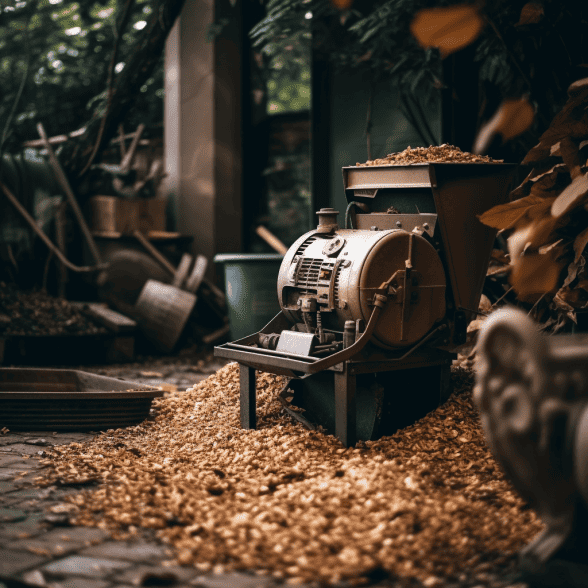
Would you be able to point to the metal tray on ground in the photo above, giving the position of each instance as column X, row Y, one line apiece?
column 34, row 399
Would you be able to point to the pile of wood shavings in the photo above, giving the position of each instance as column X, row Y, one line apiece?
column 426, row 503
column 434, row 154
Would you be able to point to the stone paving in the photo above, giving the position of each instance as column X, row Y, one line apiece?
column 39, row 546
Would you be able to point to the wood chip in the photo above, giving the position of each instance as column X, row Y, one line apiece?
column 421, row 503
column 434, row 154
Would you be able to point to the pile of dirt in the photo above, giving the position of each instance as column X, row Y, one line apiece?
column 434, row 154
column 37, row 313
column 428, row 502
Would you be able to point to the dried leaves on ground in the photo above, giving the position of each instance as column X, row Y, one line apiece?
column 37, row 313
column 547, row 218
column 434, row 154
column 427, row 502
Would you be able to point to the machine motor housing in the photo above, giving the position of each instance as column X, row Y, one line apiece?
column 337, row 274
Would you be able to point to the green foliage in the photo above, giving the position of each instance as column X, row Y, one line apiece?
column 288, row 74
column 539, row 58
column 68, row 48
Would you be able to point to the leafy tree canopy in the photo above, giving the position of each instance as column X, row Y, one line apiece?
column 56, row 54
column 531, row 48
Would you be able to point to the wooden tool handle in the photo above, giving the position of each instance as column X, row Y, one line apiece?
column 271, row 239
column 156, row 254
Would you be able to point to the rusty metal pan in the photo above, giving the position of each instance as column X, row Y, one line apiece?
column 73, row 400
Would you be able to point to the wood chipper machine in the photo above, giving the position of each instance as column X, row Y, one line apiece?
column 372, row 312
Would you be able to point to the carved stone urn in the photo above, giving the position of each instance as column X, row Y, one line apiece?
column 532, row 394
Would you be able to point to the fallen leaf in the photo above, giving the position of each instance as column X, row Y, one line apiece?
column 580, row 244
column 516, row 117
column 573, row 298
column 573, row 269
column 476, row 325
column 513, row 118
column 571, row 197
column 505, row 216
column 543, row 224
column 534, row 275
column 531, row 13
column 495, row 271
column 570, row 153
column 562, row 304
column 342, row 4
column 517, row 242
column 449, row 28
column 568, row 123
column 555, row 149
column 578, row 87
column 547, row 248
column 555, row 178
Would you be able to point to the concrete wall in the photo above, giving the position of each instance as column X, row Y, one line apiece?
column 202, row 132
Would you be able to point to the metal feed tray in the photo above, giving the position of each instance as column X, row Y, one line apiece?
column 70, row 400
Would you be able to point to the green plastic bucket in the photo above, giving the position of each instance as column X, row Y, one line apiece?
column 251, row 287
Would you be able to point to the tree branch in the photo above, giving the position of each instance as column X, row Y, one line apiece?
column 137, row 71
column 126, row 13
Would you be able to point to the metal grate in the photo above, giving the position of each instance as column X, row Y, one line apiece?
column 314, row 272
column 304, row 245
column 336, row 287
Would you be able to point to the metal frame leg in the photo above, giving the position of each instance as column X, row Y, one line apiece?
column 247, row 397
column 345, row 412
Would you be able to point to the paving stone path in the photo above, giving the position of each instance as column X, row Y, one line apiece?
column 39, row 547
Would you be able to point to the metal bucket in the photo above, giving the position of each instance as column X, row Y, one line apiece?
column 250, row 287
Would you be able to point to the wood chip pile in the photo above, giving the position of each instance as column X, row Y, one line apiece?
column 37, row 313
column 425, row 503
column 434, row 154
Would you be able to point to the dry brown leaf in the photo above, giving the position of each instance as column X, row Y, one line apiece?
column 573, row 298
column 505, row 216
column 495, row 271
column 580, row 244
column 564, row 125
column 342, row 4
column 513, row 118
column 449, row 29
column 543, row 224
column 570, row 153
column 518, row 242
column 555, row 150
column 571, row 197
column 562, row 304
column 547, row 248
column 578, row 87
column 516, row 116
column 531, row 13
column 550, row 183
column 534, row 275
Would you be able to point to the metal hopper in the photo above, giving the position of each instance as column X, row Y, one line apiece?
column 457, row 193
column 376, row 308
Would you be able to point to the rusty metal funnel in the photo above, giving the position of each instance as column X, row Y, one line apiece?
column 461, row 193
column 457, row 193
